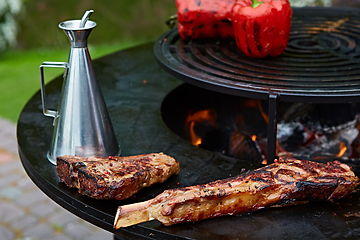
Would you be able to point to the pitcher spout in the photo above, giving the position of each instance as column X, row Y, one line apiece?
column 78, row 36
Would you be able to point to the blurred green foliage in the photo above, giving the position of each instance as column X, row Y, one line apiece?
column 120, row 24
column 19, row 74
column 117, row 21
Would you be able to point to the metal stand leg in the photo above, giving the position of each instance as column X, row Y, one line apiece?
column 272, row 129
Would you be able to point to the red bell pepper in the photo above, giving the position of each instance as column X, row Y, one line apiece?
column 262, row 28
column 205, row 19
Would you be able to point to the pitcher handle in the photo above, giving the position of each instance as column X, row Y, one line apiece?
column 47, row 112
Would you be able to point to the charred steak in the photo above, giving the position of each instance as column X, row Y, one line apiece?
column 67, row 168
column 282, row 183
column 115, row 177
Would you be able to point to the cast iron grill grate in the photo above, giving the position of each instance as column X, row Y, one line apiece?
column 322, row 60
column 321, row 64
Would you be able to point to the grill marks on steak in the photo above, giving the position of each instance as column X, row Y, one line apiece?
column 67, row 168
column 279, row 184
column 115, row 177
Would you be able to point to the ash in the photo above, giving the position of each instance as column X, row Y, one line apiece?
column 329, row 142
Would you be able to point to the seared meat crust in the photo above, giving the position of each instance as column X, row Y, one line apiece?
column 281, row 183
column 67, row 168
column 115, row 177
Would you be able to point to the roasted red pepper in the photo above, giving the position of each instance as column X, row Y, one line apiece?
column 262, row 28
column 205, row 19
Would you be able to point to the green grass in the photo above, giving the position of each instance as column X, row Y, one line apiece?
column 19, row 74
column 119, row 24
column 116, row 20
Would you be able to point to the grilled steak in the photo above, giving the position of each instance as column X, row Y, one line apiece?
column 67, row 168
column 282, row 183
column 115, row 177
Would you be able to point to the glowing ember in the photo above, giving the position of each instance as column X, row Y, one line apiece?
column 253, row 137
column 294, row 139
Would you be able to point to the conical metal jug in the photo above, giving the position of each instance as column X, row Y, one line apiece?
column 82, row 124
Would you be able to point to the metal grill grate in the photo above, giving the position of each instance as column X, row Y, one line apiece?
column 320, row 64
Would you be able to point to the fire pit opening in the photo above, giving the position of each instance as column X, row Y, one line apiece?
column 237, row 126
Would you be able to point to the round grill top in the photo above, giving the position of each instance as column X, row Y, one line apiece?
column 320, row 64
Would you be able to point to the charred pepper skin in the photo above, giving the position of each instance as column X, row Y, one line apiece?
column 263, row 30
column 205, row 19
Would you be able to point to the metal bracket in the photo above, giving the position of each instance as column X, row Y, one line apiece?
column 272, row 128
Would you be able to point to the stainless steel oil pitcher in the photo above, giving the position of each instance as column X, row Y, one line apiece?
column 82, row 124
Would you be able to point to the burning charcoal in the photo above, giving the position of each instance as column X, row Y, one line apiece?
column 203, row 130
column 291, row 135
column 212, row 138
column 319, row 131
column 239, row 129
column 243, row 147
column 329, row 146
column 322, row 118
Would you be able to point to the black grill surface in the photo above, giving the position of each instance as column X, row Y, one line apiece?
column 135, row 109
column 320, row 64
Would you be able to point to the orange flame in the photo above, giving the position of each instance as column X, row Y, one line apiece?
column 195, row 139
column 253, row 137
column 201, row 116
column 343, row 149
column 263, row 114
